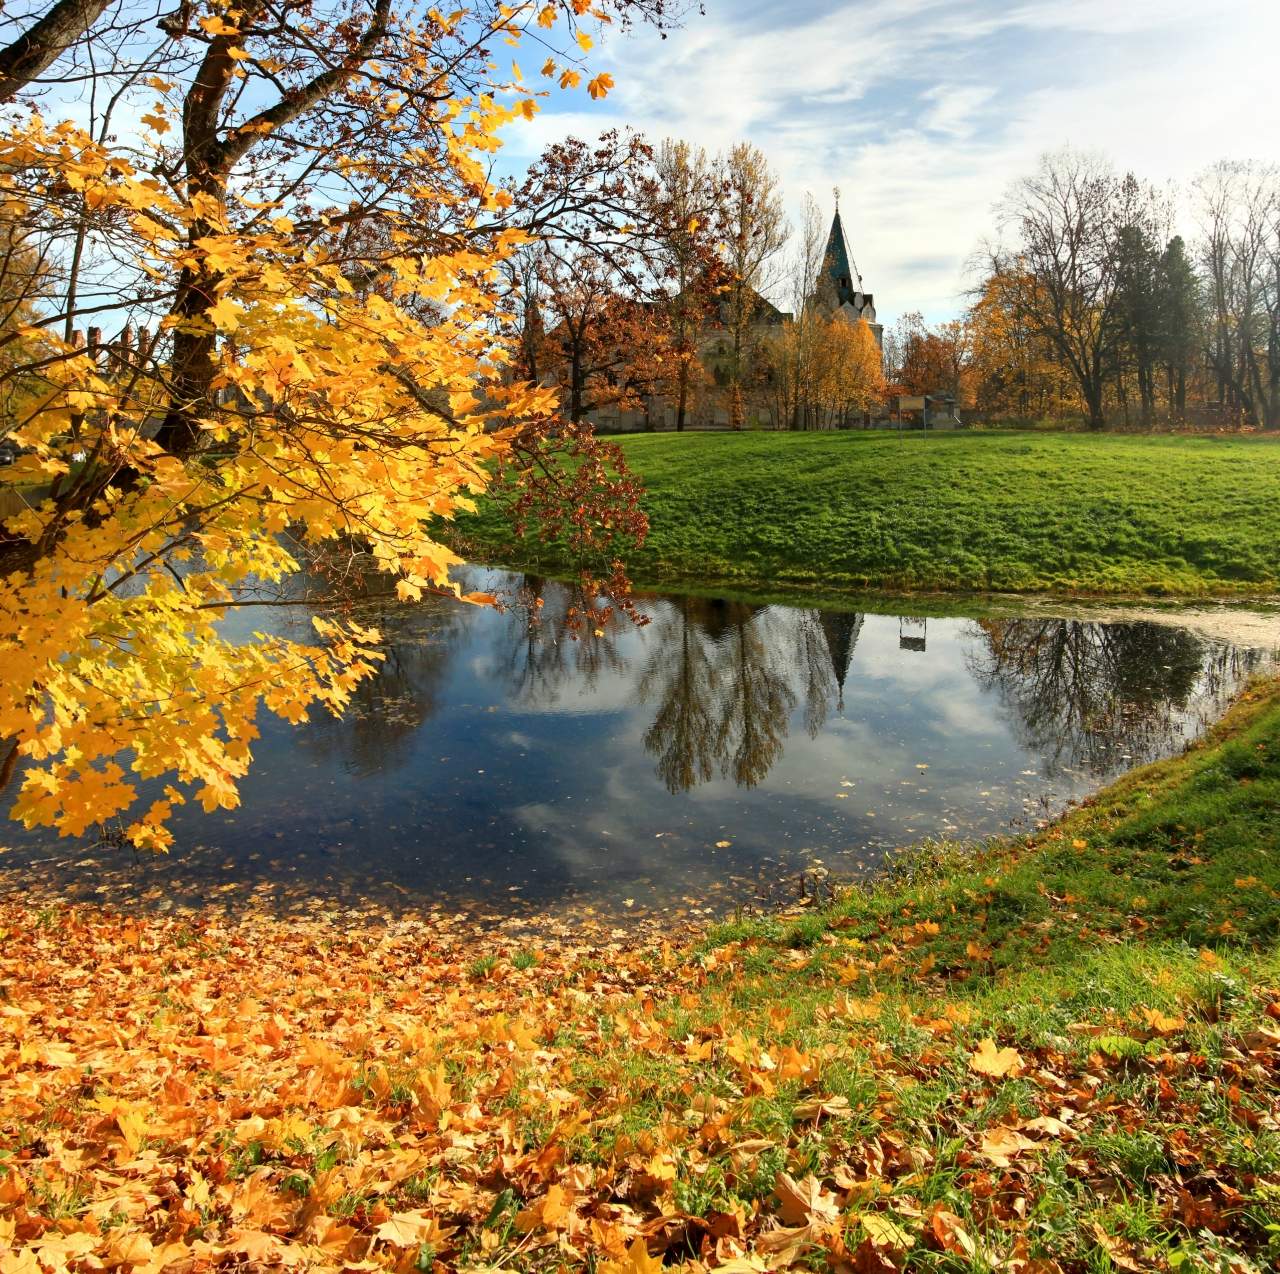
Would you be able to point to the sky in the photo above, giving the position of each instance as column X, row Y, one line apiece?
column 923, row 112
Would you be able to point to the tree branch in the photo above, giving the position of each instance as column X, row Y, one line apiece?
column 36, row 49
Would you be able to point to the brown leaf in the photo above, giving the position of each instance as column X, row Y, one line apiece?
column 1116, row 1249
column 788, row 1244
column 817, row 1107
column 804, row 1202
column 1002, row 1145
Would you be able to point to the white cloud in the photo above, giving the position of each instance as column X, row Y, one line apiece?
column 924, row 111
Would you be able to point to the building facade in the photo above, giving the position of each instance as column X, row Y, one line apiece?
column 839, row 292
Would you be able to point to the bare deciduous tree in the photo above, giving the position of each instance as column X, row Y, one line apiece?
column 1062, row 272
column 1240, row 256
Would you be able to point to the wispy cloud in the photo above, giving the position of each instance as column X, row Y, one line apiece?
column 923, row 111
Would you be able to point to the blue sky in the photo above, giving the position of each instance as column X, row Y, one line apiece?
column 923, row 111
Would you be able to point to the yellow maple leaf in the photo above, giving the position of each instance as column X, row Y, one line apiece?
column 996, row 1062
column 636, row 1261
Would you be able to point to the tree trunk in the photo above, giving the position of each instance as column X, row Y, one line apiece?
column 1093, row 402
column 33, row 52
column 575, row 387
column 193, row 363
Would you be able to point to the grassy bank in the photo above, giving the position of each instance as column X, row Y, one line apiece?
column 1058, row 1054
column 1068, row 513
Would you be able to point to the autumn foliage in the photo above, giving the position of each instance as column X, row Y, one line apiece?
column 1047, row 1058
column 322, row 380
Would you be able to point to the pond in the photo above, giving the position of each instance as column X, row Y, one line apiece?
column 509, row 760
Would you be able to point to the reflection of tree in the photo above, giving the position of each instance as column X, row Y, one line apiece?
column 721, row 702
column 755, row 704
column 388, row 708
column 551, row 638
column 1225, row 670
column 1092, row 694
column 682, row 676
column 816, row 664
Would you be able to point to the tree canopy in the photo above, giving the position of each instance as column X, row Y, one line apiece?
column 292, row 211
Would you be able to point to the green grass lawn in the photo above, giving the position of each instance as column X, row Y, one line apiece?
column 1066, row 513
column 1053, row 1055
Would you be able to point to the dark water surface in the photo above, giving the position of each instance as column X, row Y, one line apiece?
column 691, row 763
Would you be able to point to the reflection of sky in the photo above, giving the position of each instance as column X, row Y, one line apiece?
column 443, row 783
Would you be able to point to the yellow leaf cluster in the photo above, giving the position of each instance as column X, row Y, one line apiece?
column 342, row 420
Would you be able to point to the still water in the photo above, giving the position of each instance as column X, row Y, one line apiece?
column 696, row 761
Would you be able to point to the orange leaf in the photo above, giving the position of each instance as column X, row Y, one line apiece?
column 996, row 1062
column 949, row 1230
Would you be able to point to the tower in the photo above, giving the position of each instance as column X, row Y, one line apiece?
column 840, row 284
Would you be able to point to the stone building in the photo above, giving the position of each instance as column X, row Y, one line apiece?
column 840, row 291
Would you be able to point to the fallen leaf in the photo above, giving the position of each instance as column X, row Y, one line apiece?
column 1002, row 1145
column 636, row 1261
column 884, row 1231
column 999, row 1063
column 950, row 1233
column 804, row 1202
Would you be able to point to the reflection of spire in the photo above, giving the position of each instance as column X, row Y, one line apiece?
column 841, row 629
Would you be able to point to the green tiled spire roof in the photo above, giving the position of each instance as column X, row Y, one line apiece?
column 840, row 266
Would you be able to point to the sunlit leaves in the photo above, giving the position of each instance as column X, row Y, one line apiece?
column 345, row 411
column 995, row 1062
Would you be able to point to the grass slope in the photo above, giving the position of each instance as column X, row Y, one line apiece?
column 1056, row 1055
column 1114, row 515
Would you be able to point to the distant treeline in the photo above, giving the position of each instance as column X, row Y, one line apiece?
column 1090, row 306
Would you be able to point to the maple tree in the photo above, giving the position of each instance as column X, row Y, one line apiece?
column 305, row 229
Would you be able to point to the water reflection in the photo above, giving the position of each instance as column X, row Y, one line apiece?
column 548, row 754
column 376, row 733
column 1101, row 696
column 548, row 646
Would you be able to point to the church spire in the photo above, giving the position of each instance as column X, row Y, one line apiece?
column 839, row 265
column 841, row 629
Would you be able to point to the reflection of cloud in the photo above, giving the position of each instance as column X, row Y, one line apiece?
column 924, row 110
